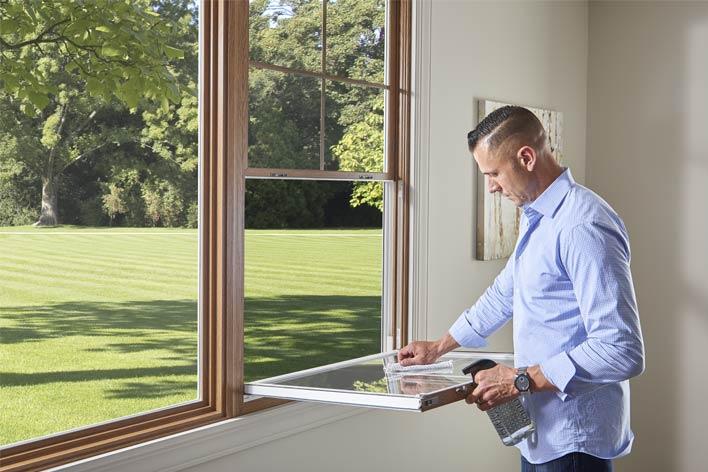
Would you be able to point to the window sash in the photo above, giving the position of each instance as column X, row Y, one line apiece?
column 416, row 391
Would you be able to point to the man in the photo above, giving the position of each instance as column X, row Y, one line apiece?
column 568, row 288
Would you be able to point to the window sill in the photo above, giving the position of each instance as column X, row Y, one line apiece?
column 207, row 443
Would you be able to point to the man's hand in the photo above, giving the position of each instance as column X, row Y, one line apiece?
column 419, row 352
column 426, row 352
column 494, row 387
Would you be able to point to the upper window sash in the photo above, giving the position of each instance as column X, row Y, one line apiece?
column 315, row 64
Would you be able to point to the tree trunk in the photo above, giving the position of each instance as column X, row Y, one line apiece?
column 50, row 208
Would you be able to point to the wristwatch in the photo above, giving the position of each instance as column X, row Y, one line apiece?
column 522, row 382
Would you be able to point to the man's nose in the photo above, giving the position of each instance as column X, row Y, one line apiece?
column 492, row 186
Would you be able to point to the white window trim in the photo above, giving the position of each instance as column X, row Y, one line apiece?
column 420, row 168
column 207, row 443
column 211, row 442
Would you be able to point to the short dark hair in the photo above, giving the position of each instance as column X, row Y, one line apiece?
column 505, row 122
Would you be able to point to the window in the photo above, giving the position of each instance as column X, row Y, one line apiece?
column 230, row 169
column 327, row 118
column 316, row 164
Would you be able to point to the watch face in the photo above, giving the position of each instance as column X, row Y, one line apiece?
column 522, row 383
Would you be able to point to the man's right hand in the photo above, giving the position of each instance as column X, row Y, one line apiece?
column 418, row 352
column 426, row 352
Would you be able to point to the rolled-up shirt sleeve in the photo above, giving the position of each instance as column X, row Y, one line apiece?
column 491, row 312
column 596, row 258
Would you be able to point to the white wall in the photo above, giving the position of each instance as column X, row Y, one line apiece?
column 523, row 52
column 527, row 53
column 450, row 438
column 648, row 156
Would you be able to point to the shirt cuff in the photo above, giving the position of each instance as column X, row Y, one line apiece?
column 465, row 334
column 559, row 370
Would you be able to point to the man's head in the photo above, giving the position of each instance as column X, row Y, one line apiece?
column 511, row 149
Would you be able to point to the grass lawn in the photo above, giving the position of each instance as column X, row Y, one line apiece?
column 100, row 323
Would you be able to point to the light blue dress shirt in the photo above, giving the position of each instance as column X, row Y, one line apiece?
column 568, row 288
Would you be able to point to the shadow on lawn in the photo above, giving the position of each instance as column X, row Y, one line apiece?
column 13, row 379
column 296, row 332
column 283, row 334
column 169, row 325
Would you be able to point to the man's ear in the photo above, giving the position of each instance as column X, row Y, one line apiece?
column 526, row 156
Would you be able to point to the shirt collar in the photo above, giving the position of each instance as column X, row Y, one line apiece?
column 548, row 202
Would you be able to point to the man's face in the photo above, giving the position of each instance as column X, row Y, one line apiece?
column 504, row 174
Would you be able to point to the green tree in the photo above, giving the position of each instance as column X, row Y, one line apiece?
column 117, row 46
column 113, row 201
column 361, row 149
column 17, row 201
column 171, row 134
column 163, row 203
column 61, row 61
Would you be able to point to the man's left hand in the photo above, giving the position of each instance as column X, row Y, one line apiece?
column 494, row 387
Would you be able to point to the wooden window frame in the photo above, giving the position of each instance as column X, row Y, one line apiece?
column 223, row 147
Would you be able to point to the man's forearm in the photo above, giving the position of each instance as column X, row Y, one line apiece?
column 446, row 344
column 539, row 382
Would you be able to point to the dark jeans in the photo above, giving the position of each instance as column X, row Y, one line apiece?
column 573, row 462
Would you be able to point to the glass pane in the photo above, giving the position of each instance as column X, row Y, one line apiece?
column 372, row 376
column 370, row 382
column 98, row 218
column 354, row 127
column 356, row 39
column 284, row 120
column 313, row 275
column 286, row 33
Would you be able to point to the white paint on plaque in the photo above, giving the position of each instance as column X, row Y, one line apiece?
column 498, row 218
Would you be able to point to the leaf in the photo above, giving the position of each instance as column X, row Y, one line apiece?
column 131, row 98
column 110, row 51
column 173, row 53
column 93, row 86
column 7, row 27
column 9, row 81
column 39, row 100
column 103, row 29
column 165, row 104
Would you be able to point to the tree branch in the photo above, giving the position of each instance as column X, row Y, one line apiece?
column 39, row 39
column 91, row 49
column 78, row 130
column 81, row 156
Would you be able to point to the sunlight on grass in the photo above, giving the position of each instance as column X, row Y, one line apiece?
column 98, row 323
